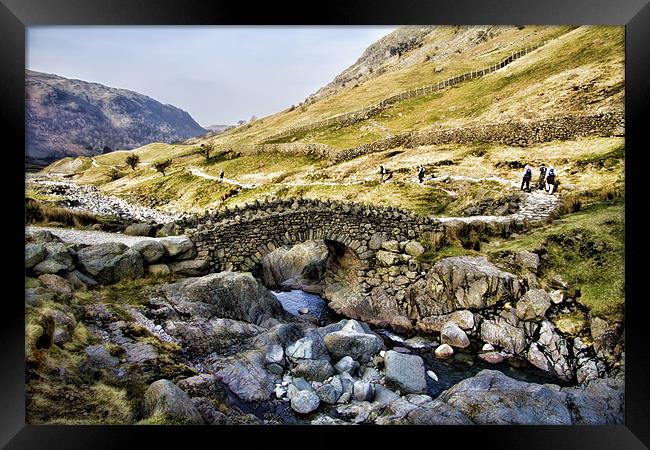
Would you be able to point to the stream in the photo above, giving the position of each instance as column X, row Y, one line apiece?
column 464, row 364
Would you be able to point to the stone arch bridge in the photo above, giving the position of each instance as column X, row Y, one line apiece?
column 369, row 245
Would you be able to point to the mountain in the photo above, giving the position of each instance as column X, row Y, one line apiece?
column 67, row 117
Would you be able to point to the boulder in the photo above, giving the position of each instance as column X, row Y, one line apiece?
column 164, row 398
column 533, row 305
column 168, row 229
column 284, row 264
column 492, row 398
column 313, row 369
column 191, row 268
column 452, row 334
column 97, row 359
column 57, row 259
column 34, row 254
column 80, row 280
column 111, row 262
column 288, row 333
column 138, row 229
column 444, row 351
column 405, row 372
column 527, row 260
column 158, row 270
column 463, row 282
column 150, row 250
column 353, row 341
column 305, row 402
column 227, row 294
column 414, row 248
column 178, row 247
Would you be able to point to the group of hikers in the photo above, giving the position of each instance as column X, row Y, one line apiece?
column 547, row 179
column 387, row 174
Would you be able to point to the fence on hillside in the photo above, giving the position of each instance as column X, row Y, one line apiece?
column 352, row 117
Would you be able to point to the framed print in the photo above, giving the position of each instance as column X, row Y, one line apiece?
column 263, row 221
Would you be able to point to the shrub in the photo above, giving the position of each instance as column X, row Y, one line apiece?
column 114, row 174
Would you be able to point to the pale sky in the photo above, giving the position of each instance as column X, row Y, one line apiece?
column 219, row 74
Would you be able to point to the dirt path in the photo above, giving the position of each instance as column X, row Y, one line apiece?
column 199, row 173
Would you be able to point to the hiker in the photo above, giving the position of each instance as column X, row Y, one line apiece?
column 528, row 174
column 542, row 177
column 421, row 174
column 388, row 174
column 550, row 181
column 382, row 172
column 221, row 175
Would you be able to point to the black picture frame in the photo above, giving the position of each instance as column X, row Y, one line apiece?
column 15, row 15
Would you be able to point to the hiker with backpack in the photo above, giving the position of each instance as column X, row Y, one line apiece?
column 421, row 174
column 221, row 175
column 542, row 177
column 382, row 172
column 551, row 182
column 528, row 175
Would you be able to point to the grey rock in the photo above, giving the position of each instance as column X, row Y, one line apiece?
column 34, row 254
column 452, row 334
column 246, row 375
column 346, row 365
column 97, row 358
column 405, row 372
column 305, row 402
column 178, row 247
column 138, row 229
column 353, row 341
column 490, row 397
column 150, row 250
column 414, row 248
column 363, row 391
column 164, row 398
column 158, row 270
column 168, row 229
column 533, row 305
column 289, row 333
column 500, row 332
column 191, row 268
column 527, row 260
column 274, row 354
column 384, row 395
column 57, row 259
column 111, row 262
column 329, row 393
column 276, row 369
column 313, row 369
column 308, row 347
column 226, row 294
